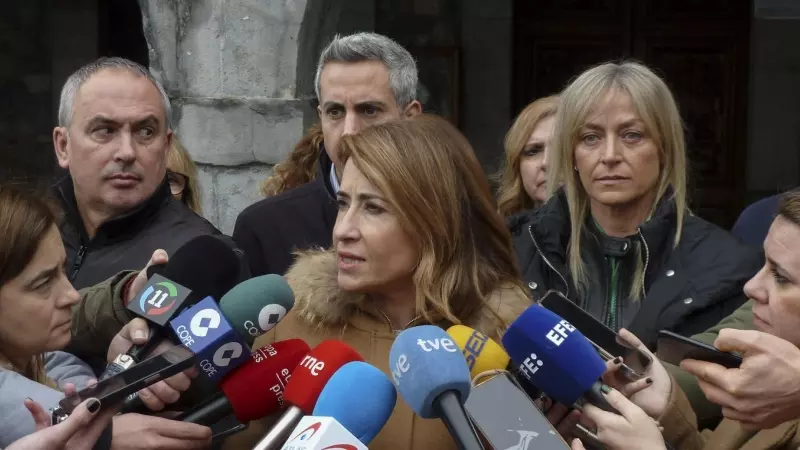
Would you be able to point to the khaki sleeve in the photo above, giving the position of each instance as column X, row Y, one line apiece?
column 99, row 316
column 741, row 319
column 709, row 414
column 680, row 423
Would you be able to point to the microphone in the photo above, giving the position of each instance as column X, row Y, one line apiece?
column 202, row 267
column 499, row 406
column 255, row 389
column 556, row 357
column 205, row 331
column 255, row 306
column 343, row 399
column 305, row 386
column 433, row 378
column 344, row 417
column 482, row 354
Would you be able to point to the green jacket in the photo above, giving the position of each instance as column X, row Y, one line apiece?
column 99, row 316
column 709, row 414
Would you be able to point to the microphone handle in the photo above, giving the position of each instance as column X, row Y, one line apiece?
column 451, row 410
column 209, row 413
column 133, row 356
column 281, row 431
column 134, row 404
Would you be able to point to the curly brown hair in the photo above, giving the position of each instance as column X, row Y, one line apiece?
column 299, row 167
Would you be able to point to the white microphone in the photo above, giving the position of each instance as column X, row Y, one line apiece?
column 317, row 433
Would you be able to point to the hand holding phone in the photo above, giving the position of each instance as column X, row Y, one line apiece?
column 674, row 348
column 115, row 389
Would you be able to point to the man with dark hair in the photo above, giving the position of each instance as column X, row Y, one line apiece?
column 362, row 79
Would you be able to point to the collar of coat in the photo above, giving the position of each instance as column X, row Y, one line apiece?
column 551, row 225
column 120, row 227
column 320, row 302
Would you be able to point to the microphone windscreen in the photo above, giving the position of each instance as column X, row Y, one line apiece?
column 360, row 397
column 206, row 266
column 425, row 362
column 314, row 371
column 552, row 354
column 255, row 389
column 255, row 306
column 481, row 353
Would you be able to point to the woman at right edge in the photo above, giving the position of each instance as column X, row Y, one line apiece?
column 618, row 238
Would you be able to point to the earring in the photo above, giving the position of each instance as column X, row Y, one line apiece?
column 575, row 167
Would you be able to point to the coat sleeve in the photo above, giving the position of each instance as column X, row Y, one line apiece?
column 99, row 316
column 709, row 414
column 680, row 423
column 741, row 319
column 247, row 239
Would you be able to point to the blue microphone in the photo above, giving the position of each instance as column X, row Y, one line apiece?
column 555, row 357
column 432, row 376
column 344, row 399
column 205, row 331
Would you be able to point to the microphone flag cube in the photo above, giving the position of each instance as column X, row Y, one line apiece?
column 204, row 330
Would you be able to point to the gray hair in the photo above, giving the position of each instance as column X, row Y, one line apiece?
column 82, row 75
column 403, row 77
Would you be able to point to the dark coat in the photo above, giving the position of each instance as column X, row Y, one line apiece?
column 271, row 229
column 688, row 288
column 126, row 242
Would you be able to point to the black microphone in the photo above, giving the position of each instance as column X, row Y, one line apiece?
column 202, row 267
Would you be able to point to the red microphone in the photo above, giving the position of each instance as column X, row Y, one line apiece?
column 305, row 386
column 255, row 389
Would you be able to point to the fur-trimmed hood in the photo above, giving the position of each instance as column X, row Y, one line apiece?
column 320, row 302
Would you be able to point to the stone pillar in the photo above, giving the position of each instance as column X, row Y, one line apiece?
column 230, row 69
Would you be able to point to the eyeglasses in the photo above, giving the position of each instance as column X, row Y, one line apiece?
column 177, row 182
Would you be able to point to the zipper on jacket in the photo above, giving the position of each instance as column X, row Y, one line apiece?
column 546, row 261
column 646, row 263
column 78, row 261
column 613, row 310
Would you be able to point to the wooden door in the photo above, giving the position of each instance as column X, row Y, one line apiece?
column 700, row 48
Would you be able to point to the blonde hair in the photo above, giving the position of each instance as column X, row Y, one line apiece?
column 433, row 181
column 25, row 220
column 180, row 162
column 511, row 195
column 656, row 108
column 299, row 167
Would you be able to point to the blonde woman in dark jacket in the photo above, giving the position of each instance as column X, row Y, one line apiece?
column 618, row 238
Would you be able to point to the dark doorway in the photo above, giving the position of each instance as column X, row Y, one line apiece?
column 700, row 48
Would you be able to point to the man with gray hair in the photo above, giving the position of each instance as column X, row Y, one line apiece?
column 362, row 79
column 113, row 136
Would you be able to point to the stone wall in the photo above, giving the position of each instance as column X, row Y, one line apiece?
column 241, row 78
column 230, row 68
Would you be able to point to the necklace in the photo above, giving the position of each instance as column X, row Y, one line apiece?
column 394, row 330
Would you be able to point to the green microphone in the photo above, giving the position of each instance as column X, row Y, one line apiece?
column 255, row 306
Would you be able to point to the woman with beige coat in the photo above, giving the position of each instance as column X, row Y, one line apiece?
column 417, row 240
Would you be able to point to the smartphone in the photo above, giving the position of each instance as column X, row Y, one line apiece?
column 674, row 348
column 607, row 342
column 114, row 389
column 519, row 424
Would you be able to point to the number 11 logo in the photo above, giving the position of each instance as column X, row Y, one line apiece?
column 151, row 301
